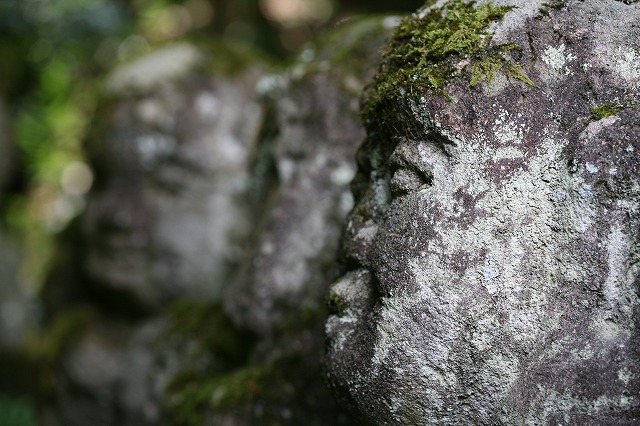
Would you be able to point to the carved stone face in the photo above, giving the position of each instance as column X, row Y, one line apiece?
column 168, row 214
column 492, row 276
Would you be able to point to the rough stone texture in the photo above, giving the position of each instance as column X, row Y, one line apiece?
column 493, row 248
column 172, row 150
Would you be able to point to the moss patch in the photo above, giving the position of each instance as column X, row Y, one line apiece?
column 234, row 393
column 337, row 304
column 255, row 394
column 16, row 412
column 190, row 399
column 435, row 45
column 206, row 325
column 554, row 4
column 607, row 110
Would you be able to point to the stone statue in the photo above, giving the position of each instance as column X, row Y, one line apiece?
column 493, row 248
column 168, row 218
column 172, row 149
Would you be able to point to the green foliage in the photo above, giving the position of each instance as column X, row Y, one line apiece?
column 16, row 412
column 435, row 45
column 607, row 110
column 53, row 54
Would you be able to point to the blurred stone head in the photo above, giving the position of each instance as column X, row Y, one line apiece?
column 493, row 246
column 171, row 149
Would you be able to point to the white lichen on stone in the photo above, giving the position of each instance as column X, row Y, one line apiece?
column 591, row 168
column 152, row 112
column 508, row 130
column 526, row 203
column 619, row 288
column 555, row 402
column 628, row 65
column 391, row 22
column 557, row 58
column 207, row 105
column 508, row 153
column 271, row 85
column 343, row 174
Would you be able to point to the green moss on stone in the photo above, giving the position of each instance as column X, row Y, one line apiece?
column 16, row 411
column 207, row 327
column 273, row 384
column 554, row 4
column 191, row 399
column 434, row 45
column 230, row 58
column 337, row 304
column 607, row 110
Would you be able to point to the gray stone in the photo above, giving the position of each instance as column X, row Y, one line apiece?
column 108, row 372
column 493, row 248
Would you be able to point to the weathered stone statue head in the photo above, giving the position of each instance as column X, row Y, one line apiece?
column 168, row 214
column 494, row 243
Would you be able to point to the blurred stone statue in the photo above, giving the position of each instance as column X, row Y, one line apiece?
column 168, row 218
column 168, row 215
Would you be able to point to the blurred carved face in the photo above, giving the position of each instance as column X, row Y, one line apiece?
column 167, row 216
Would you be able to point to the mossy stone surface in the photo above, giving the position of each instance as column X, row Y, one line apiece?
column 439, row 43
